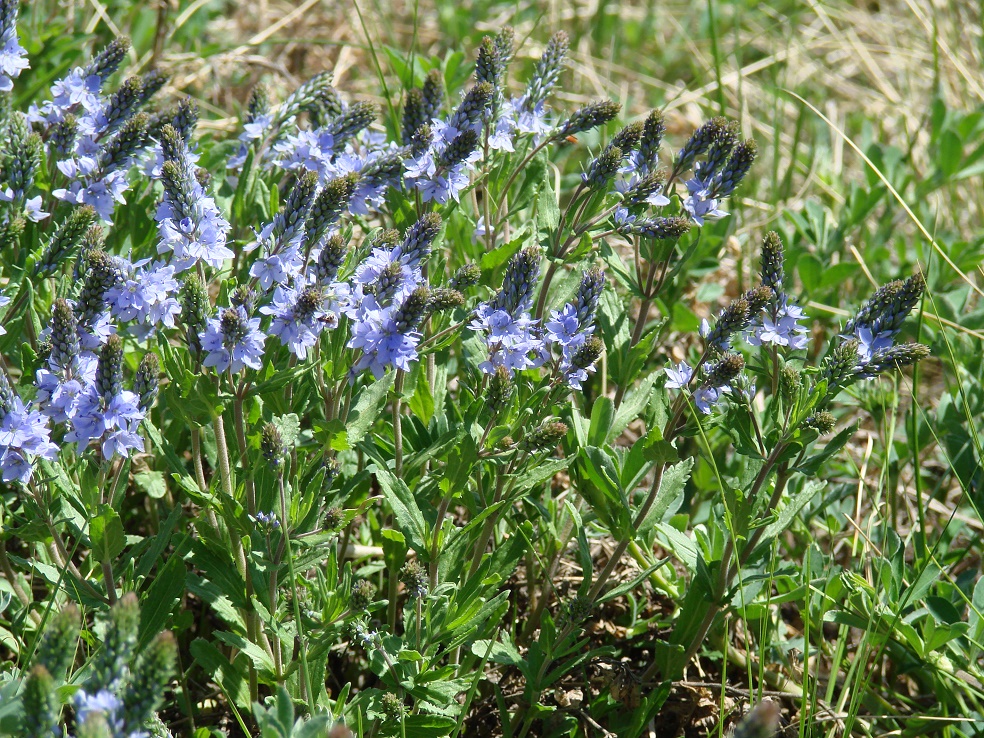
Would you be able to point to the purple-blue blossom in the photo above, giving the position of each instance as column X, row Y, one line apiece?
column 780, row 326
column 233, row 341
column 678, row 377
column 115, row 422
column 145, row 297
column 376, row 333
column 299, row 316
column 700, row 205
column 24, row 437
column 513, row 343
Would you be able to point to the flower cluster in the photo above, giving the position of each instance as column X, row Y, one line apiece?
column 767, row 317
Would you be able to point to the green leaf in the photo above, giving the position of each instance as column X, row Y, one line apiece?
column 289, row 426
column 602, row 416
column 669, row 495
column 950, row 154
column 367, row 408
column 107, row 535
column 408, row 515
column 152, row 483
column 539, row 474
column 231, row 678
column 161, row 598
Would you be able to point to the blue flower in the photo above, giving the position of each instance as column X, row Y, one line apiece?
column 377, row 334
column 679, row 377
column 24, row 435
column 780, row 326
column 299, row 315
column 512, row 342
column 233, row 341
column 564, row 327
column 146, row 296
column 870, row 343
column 700, row 205
column 12, row 55
column 115, row 422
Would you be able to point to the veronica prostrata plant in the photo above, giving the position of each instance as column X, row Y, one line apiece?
column 335, row 384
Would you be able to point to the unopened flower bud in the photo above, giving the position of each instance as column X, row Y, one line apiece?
column 333, row 518
column 65, row 240
column 411, row 312
column 499, row 390
column 64, row 334
column 545, row 436
column 146, row 382
column 418, row 239
column 822, row 421
column 466, row 276
column 109, row 371
column 109, row 59
column 658, row 228
column 841, row 367
column 790, row 381
column 723, row 371
column 603, row 168
column 331, row 258
column 772, row 262
column 584, row 119
column 272, row 445
column 362, row 595
column 414, row 577
column 443, row 299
